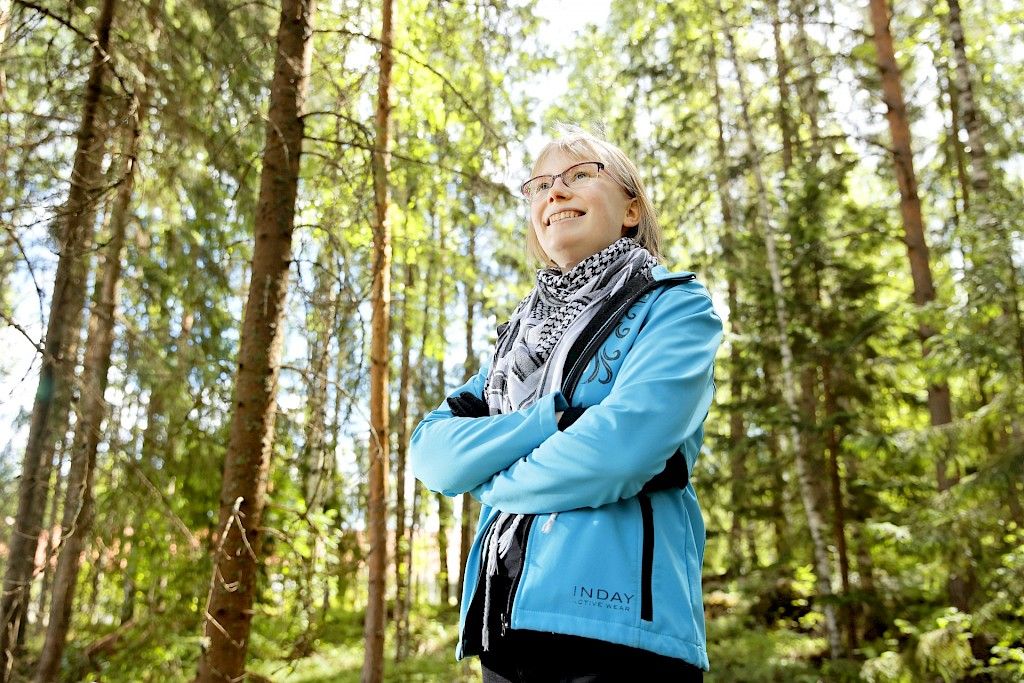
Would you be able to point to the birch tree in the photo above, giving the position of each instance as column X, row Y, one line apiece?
column 805, row 472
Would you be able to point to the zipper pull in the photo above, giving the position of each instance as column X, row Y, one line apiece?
column 504, row 624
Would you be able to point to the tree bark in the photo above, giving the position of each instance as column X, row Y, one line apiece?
column 470, row 510
column 812, row 159
column 5, row 29
column 939, row 404
column 316, row 461
column 373, row 661
column 786, row 127
column 981, row 178
column 805, row 471
column 228, row 613
column 76, row 524
column 444, row 503
column 50, row 538
column 967, row 107
column 832, row 447
column 75, row 234
column 401, row 538
column 738, row 484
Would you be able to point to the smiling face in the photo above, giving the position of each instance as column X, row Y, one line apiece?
column 572, row 223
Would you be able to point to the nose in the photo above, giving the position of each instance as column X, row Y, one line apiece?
column 554, row 191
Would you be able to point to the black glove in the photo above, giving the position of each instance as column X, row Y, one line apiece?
column 570, row 415
column 468, row 405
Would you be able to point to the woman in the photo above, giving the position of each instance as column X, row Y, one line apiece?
column 578, row 437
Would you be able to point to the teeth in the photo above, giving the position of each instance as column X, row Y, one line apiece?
column 562, row 215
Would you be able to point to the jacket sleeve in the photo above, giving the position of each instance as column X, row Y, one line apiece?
column 453, row 455
column 659, row 398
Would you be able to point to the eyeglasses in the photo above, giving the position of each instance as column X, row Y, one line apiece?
column 574, row 176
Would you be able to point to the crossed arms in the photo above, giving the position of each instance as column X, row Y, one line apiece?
column 520, row 462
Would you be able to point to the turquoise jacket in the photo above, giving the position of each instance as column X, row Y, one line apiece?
column 612, row 565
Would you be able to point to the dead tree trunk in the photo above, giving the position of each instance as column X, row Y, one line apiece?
column 75, row 235
column 373, row 661
column 228, row 612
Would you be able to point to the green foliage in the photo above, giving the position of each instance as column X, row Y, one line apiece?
column 657, row 80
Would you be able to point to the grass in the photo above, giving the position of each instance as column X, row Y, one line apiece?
column 338, row 656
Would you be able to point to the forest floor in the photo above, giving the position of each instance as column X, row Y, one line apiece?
column 739, row 651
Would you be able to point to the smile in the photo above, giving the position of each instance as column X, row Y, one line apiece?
column 563, row 215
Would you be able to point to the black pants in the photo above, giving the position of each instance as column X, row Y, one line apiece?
column 534, row 657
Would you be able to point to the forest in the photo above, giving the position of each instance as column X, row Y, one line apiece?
column 246, row 246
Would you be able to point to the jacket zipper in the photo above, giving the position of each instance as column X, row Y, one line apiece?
column 647, row 558
column 506, row 616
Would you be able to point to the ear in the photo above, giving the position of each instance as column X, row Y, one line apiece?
column 632, row 217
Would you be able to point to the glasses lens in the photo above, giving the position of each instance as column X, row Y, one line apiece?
column 535, row 186
column 581, row 173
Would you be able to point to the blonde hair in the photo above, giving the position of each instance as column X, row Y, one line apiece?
column 576, row 142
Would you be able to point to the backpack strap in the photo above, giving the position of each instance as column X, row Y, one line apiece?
column 676, row 473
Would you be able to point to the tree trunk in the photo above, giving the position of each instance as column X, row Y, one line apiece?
column 402, row 418
column 415, row 508
column 130, row 588
column 738, row 484
column 967, row 107
column 77, row 521
column 373, row 661
column 980, row 177
column 786, row 127
column 470, row 510
column 419, row 492
column 956, row 147
column 316, row 459
column 873, row 623
column 807, row 84
column 832, row 446
column 808, row 98
column 805, row 472
column 939, row 405
column 56, row 442
column 51, row 538
column 5, row 29
column 75, row 235
column 444, row 503
column 783, row 550
column 228, row 612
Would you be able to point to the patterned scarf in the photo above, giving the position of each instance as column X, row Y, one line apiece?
column 532, row 346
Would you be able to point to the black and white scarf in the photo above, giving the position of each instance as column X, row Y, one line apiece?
column 531, row 347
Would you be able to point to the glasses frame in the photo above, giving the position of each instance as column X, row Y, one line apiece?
column 563, row 175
